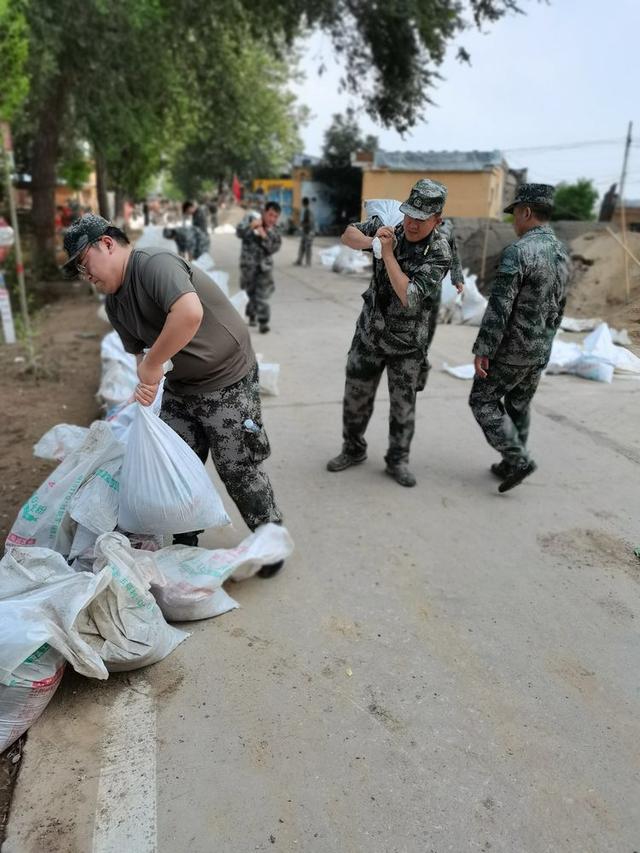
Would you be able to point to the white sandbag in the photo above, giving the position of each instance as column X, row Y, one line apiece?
column 41, row 599
column 563, row 356
column 124, row 625
column 221, row 278
column 83, row 549
column 187, row 583
column 571, row 324
column 473, row 303
column 342, row 259
column 240, row 300
column 224, row 229
column 117, row 384
column 620, row 337
column 95, row 504
column 164, row 487
column 32, row 686
column 44, row 520
column 386, row 209
column 59, row 441
column 268, row 375
column 205, row 261
column 102, row 314
column 462, row 371
column 112, row 349
column 599, row 344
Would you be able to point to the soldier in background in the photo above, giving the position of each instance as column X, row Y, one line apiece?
column 260, row 241
column 393, row 327
column 513, row 346
column 308, row 228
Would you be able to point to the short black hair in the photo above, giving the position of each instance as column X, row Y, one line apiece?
column 117, row 234
column 541, row 211
column 305, row 201
column 273, row 205
column 186, row 205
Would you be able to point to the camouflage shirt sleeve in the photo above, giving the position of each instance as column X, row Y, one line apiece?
column 457, row 276
column 425, row 280
column 369, row 227
column 498, row 312
column 272, row 242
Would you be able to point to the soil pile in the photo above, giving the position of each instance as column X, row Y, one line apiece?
column 598, row 281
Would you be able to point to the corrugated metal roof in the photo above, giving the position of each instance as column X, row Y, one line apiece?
column 437, row 161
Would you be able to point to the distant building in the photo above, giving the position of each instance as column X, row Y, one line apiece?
column 480, row 183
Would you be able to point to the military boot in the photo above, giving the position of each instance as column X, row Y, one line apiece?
column 501, row 469
column 401, row 474
column 345, row 460
column 517, row 475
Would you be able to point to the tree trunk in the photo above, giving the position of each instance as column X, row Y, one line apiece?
column 101, row 184
column 43, row 180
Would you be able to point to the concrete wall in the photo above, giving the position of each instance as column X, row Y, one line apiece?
column 471, row 194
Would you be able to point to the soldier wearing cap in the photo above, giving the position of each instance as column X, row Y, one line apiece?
column 392, row 330
column 158, row 302
column 513, row 346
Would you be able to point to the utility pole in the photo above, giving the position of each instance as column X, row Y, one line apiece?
column 623, row 216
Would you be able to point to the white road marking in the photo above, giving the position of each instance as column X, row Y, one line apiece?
column 126, row 804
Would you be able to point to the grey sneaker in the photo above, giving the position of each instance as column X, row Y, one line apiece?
column 401, row 474
column 344, row 460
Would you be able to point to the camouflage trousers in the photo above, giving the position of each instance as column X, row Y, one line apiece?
column 501, row 404
column 431, row 330
column 365, row 365
column 304, row 249
column 214, row 422
column 259, row 286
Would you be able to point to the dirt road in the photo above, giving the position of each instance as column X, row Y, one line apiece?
column 437, row 669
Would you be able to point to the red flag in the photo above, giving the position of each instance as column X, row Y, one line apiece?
column 236, row 189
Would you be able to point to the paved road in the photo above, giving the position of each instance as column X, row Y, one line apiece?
column 438, row 669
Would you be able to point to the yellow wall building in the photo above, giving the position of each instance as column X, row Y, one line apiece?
column 479, row 182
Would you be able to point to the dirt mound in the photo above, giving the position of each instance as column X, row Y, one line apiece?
column 598, row 281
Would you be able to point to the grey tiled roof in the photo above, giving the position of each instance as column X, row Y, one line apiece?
column 437, row 161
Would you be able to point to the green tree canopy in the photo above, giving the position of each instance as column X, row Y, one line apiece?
column 14, row 51
column 342, row 138
column 575, row 201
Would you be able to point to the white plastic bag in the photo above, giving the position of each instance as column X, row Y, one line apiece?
column 205, row 261
column 121, row 418
column 164, row 487
column 342, row 259
column 124, row 625
column 59, row 441
column 44, row 520
column 112, row 349
column 221, row 278
column 118, row 383
column 187, row 582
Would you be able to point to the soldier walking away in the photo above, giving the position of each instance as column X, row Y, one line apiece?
column 308, row 228
column 260, row 241
column 393, row 327
column 156, row 300
column 513, row 346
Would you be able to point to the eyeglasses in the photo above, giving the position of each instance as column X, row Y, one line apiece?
column 83, row 272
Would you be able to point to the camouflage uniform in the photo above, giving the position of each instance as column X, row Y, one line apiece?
column 308, row 227
column 228, row 422
column 523, row 314
column 389, row 334
column 190, row 241
column 256, row 269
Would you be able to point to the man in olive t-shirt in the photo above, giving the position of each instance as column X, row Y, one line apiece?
column 157, row 302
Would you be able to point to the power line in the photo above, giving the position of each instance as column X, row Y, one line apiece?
column 570, row 145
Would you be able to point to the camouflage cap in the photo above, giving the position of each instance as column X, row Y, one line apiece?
column 426, row 198
column 532, row 194
column 80, row 234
